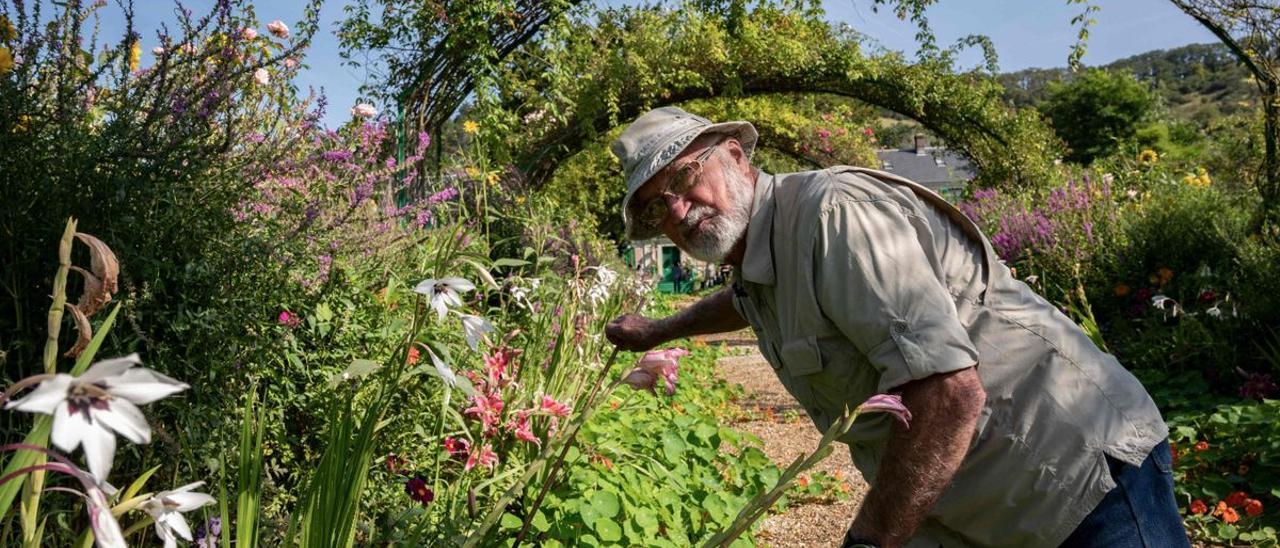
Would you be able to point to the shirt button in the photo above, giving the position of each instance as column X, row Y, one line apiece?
column 900, row 327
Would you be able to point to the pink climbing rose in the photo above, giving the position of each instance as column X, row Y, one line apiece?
column 887, row 403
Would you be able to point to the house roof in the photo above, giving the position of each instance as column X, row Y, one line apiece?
column 936, row 168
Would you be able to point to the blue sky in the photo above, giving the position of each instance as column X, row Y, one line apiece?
column 1026, row 33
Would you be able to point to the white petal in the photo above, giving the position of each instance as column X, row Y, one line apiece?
column 68, row 428
column 190, row 501
column 426, row 287
column 110, row 368
column 106, row 531
column 99, row 451
column 178, row 524
column 443, row 368
column 439, row 306
column 45, row 397
column 125, row 418
column 142, row 386
column 188, row 487
column 165, row 534
column 459, row 284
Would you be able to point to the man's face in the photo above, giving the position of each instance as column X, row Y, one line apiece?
column 711, row 217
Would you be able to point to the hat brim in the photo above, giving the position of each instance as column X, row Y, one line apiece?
column 741, row 131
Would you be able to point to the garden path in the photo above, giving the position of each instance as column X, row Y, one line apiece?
column 769, row 412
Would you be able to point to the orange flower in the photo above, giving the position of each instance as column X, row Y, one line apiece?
column 1230, row 515
column 802, row 481
column 1198, row 507
column 1121, row 290
column 1165, row 274
column 1202, row 446
column 1253, row 507
column 1237, row 498
column 413, row 356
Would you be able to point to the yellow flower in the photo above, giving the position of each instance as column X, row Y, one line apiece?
column 6, row 61
column 1148, row 157
column 7, row 32
column 135, row 56
column 470, row 127
column 520, row 201
column 24, row 123
column 492, row 179
column 473, row 172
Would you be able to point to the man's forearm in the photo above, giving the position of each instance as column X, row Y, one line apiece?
column 713, row 314
column 919, row 462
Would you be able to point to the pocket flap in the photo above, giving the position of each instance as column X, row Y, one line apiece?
column 801, row 356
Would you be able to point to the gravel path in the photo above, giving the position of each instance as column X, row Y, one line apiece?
column 775, row 417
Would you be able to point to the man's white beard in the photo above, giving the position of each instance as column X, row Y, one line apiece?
column 713, row 241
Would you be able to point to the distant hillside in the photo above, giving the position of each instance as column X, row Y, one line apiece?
column 1197, row 82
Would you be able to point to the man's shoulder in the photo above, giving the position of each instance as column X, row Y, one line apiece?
column 811, row 192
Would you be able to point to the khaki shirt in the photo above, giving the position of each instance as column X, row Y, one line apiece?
column 857, row 281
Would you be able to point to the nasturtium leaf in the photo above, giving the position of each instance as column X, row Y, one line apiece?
column 606, row 503
column 509, row 521
column 608, row 530
column 1227, row 531
column 540, row 522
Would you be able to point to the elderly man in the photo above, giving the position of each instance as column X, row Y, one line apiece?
column 858, row 282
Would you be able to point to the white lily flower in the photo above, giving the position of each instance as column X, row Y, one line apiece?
column 1159, row 301
column 446, row 374
column 444, row 292
column 475, row 327
column 166, row 508
column 92, row 408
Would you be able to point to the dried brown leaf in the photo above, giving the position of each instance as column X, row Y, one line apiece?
column 105, row 268
column 94, row 296
column 84, row 332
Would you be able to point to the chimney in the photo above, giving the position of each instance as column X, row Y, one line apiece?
column 921, row 143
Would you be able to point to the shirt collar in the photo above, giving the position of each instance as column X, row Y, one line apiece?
column 757, row 260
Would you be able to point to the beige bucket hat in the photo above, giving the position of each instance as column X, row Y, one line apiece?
column 656, row 138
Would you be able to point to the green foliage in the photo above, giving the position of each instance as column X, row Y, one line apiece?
column 1235, row 448
column 1097, row 110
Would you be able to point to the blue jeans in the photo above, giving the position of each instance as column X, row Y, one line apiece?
column 1139, row 512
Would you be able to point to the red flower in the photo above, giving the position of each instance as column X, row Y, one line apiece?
column 395, row 463
column 1207, row 295
column 457, row 447
column 1237, row 498
column 418, row 490
column 1253, row 507
column 1202, row 445
column 1198, row 507
column 413, row 356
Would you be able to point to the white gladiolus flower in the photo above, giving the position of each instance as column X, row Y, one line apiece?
column 475, row 327
column 91, row 409
column 446, row 374
column 444, row 293
column 166, row 508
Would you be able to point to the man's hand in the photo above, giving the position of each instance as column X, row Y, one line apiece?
column 919, row 462
column 713, row 314
column 633, row 332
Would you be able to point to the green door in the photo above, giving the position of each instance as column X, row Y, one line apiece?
column 670, row 258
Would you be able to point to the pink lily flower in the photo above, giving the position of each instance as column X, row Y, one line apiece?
column 483, row 457
column 489, row 409
column 664, row 364
column 550, row 406
column 522, row 427
column 887, row 403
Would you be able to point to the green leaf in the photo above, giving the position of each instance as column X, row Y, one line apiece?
column 357, row 370
column 608, row 530
column 509, row 521
column 509, row 262
column 606, row 503
column 540, row 522
column 1227, row 531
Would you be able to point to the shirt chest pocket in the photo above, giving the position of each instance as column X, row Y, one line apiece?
column 827, row 374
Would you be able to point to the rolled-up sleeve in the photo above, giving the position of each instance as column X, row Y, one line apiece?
column 875, row 283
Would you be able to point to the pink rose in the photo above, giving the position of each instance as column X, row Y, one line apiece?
column 278, row 28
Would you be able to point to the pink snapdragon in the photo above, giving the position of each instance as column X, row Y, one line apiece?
column 654, row 365
column 887, row 403
column 482, row 457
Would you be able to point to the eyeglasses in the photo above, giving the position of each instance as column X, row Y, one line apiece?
column 679, row 183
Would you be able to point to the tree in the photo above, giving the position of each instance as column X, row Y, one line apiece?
column 1096, row 110
column 1251, row 30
